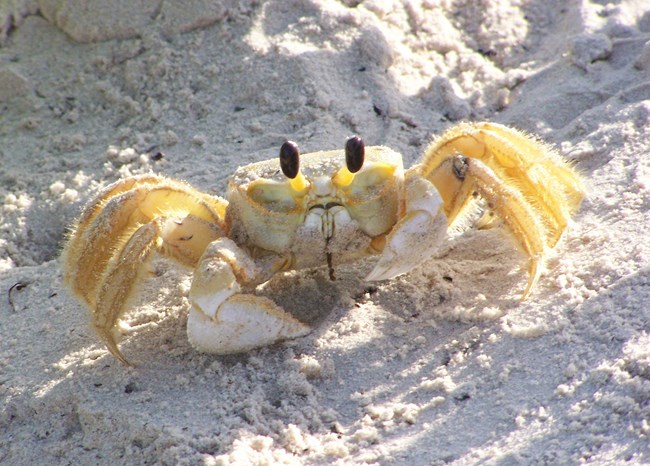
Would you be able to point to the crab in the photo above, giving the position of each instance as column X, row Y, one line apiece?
column 323, row 208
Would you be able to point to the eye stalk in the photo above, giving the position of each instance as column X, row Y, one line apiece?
column 290, row 165
column 355, row 152
column 290, row 159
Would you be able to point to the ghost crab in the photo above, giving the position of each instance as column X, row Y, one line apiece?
column 320, row 208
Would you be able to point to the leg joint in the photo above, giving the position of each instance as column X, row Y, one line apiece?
column 460, row 166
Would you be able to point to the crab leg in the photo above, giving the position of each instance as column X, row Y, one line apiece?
column 117, row 233
column 542, row 178
column 524, row 182
column 508, row 204
column 118, row 284
column 222, row 320
column 110, row 220
column 417, row 235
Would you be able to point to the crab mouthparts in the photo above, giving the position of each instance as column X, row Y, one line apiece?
column 328, row 226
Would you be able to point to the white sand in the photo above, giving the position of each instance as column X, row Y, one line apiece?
column 419, row 370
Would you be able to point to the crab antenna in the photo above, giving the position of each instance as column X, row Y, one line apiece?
column 290, row 165
column 354, row 157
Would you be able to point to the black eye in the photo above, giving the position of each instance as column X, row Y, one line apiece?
column 354, row 153
column 290, row 159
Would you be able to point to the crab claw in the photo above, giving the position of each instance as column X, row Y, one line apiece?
column 417, row 236
column 222, row 320
column 241, row 323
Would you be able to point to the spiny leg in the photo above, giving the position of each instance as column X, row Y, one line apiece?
column 81, row 234
column 508, row 204
column 524, row 182
column 117, row 233
column 166, row 235
column 110, row 220
column 550, row 185
column 118, row 281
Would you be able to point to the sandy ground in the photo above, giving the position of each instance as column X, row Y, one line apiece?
column 443, row 365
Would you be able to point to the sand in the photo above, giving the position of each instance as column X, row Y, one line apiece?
column 444, row 365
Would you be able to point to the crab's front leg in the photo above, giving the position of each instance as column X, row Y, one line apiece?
column 222, row 320
column 418, row 235
column 524, row 183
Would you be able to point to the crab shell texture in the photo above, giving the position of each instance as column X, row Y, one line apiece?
column 325, row 215
column 321, row 210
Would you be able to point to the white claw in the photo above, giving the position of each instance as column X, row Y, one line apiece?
column 241, row 323
column 417, row 236
column 221, row 320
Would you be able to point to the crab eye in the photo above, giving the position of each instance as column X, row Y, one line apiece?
column 354, row 153
column 290, row 159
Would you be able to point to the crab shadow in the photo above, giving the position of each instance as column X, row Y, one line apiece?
column 392, row 368
column 469, row 379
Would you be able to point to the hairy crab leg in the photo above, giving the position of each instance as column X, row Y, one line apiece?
column 116, row 234
column 509, row 205
column 549, row 184
column 525, row 183
column 118, row 284
column 109, row 221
